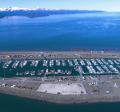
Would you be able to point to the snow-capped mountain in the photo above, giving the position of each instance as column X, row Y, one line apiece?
column 37, row 12
column 24, row 9
column 13, row 9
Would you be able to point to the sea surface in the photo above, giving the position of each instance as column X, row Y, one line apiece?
column 92, row 31
column 16, row 104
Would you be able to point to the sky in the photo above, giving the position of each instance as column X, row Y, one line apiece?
column 107, row 5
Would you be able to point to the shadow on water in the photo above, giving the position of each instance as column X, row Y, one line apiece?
column 15, row 104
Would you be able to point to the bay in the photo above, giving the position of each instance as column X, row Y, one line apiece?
column 94, row 31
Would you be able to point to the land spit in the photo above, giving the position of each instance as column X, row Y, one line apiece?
column 66, row 82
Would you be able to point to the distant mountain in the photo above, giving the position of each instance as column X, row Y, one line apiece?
column 4, row 12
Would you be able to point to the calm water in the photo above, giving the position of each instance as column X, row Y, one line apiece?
column 61, row 32
column 15, row 104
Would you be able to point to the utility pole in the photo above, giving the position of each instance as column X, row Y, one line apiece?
column 3, row 73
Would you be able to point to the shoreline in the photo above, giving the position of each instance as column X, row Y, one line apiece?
column 58, row 99
column 57, row 51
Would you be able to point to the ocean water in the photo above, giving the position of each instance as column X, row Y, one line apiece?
column 93, row 31
column 16, row 104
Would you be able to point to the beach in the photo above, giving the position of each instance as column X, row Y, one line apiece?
column 60, row 99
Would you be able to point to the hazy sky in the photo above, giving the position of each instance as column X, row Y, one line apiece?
column 109, row 5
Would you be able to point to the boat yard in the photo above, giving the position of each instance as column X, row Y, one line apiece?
column 62, row 88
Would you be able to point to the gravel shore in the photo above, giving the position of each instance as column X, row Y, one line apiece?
column 60, row 99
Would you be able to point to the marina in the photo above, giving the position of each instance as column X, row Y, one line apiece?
column 61, row 77
column 59, row 67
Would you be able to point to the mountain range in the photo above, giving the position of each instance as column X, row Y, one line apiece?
column 14, row 11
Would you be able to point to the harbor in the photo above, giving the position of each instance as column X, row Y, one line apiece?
column 61, row 77
column 59, row 67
